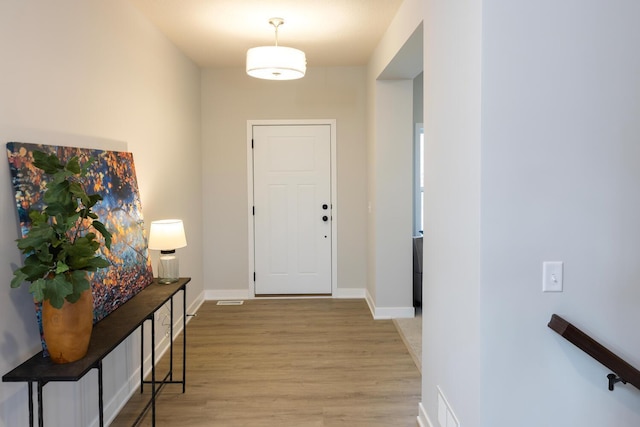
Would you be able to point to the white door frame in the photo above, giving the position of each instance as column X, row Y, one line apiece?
column 334, row 195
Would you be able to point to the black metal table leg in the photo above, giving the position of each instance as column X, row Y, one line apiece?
column 184, row 338
column 142, row 358
column 40, row 414
column 153, row 372
column 100, row 392
column 171, row 341
column 30, row 404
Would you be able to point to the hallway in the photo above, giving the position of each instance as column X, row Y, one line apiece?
column 315, row 362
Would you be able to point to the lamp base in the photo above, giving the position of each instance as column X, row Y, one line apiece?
column 168, row 268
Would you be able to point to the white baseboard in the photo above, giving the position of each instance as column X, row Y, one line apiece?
column 370, row 303
column 423, row 418
column 239, row 294
column 113, row 407
column 394, row 313
column 380, row 313
column 195, row 305
column 350, row 293
column 341, row 293
column 226, row 294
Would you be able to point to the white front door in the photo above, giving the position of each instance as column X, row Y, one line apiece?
column 292, row 209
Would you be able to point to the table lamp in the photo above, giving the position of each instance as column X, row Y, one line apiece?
column 167, row 235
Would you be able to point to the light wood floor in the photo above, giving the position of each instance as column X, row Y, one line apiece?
column 315, row 362
column 410, row 330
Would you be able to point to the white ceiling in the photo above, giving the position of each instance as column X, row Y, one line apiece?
column 217, row 33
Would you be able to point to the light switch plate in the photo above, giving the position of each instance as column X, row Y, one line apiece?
column 552, row 276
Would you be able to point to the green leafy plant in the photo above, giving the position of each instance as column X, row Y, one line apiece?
column 61, row 245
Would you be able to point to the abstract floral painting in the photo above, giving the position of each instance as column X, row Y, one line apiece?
column 113, row 176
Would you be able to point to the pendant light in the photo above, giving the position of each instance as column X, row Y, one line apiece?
column 276, row 62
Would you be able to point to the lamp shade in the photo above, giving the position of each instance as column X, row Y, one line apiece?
column 167, row 234
column 276, row 63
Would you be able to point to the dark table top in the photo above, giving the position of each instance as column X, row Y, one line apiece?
column 107, row 334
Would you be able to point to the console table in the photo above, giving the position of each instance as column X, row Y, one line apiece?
column 107, row 334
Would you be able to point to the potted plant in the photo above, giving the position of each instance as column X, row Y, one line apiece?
column 61, row 248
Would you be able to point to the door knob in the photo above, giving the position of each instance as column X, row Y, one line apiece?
column 325, row 218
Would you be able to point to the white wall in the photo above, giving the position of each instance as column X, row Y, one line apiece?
column 531, row 131
column 451, row 269
column 560, row 156
column 95, row 74
column 229, row 99
column 390, row 73
column 393, row 207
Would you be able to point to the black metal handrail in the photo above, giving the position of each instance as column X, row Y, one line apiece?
column 623, row 372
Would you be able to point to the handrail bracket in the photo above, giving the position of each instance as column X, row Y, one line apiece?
column 613, row 379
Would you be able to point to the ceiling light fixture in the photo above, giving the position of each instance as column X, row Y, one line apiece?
column 276, row 62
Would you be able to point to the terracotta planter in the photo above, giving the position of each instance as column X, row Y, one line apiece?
column 67, row 331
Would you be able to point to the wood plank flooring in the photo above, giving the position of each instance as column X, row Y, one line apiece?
column 313, row 362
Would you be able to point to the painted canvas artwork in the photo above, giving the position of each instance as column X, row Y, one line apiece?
column 113, row 176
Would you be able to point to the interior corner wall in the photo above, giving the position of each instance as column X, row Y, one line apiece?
column 394, row 198
column 94, row 74
column 230, row 98
column 379, row 289
column 452, row 258
column 418, row 99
